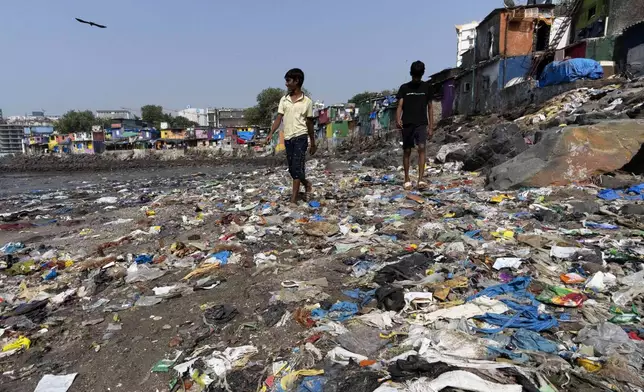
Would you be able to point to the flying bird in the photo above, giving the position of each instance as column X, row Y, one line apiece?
column 91, row 23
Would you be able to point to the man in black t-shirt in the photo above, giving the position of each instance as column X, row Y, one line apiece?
column 414, row 116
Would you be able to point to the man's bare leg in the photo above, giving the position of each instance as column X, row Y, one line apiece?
column 308, row 186
column 406, row 159
column 296, row 191
column 421, row 163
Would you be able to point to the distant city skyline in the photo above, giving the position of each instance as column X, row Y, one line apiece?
column 211, row 54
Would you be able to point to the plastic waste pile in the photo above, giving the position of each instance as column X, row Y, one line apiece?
column 214, row 282
column 596, row 103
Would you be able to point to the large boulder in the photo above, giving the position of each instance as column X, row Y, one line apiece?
column 571, row 154
column 504, row 142
column 452, row 152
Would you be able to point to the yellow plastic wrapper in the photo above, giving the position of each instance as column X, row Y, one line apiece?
column 21, row 342
column 287, row 382
column 589, row 365
column 500, row 198
column 506, row 234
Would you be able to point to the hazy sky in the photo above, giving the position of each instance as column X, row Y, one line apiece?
column 216, row 52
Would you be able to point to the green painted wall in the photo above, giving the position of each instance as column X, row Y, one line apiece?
column 342, row 128
column 582, row 20
column 600, row 49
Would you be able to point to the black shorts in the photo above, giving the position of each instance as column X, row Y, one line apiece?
column 414, row 135
column 296, row 156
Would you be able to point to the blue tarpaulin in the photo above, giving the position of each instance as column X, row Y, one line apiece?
column 560, row 72
column 532, row 341
column 245, row 135
column 517, row 288
column 218, row 134
column 526, row 315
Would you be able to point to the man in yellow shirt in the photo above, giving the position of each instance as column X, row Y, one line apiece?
column 296, row 111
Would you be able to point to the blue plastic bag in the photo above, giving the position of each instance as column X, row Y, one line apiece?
column 603, row 226
column 364, row 296
column 222, row 256
column 494, row 352
column 475, row 235
column 143, row 259
column 12, row 247
column 340, row 311
column 633, row 193
column 312, row 384
column 608, row 194
column 532, row 341
column 517, row 287
column 51, row 275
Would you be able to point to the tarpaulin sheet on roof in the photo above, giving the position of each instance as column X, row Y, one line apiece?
column 218, row 134
column 567, row 71
column 245, row 135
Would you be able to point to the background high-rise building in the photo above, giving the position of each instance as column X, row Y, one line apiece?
column 200, row 116
column 231, row 117
column 115, row 113
column 11, row 139
column 466, row 36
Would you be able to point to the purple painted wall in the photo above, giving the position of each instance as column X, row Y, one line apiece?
column 449, row 93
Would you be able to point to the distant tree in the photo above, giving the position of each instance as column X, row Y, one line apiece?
column 367, row 95
column 103, row 122
column 268, row 101
column 166, row 118
column 364, row 96
column 255, row 116
column 74, row 121
column 181, row 122
column 153, row 115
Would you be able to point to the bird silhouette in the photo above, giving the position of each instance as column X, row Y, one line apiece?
column 509, row 3
column 91, row 23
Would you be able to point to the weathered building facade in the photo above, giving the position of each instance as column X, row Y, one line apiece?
column 465, row 38
column 231, row 118
column 596, row 29
column 505, row 43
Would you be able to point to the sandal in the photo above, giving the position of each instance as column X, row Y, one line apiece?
column 407, row 186
column 422, row 185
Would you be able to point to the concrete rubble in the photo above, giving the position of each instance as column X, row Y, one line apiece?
column 209, row 280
